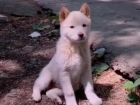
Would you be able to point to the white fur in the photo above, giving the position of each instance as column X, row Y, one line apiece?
column 70, row 64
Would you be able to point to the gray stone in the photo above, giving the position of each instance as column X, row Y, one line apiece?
column 35, row 34
column 13, row 93
column 56, row 24
column 115, row 26
column 18, row 44
column 53, row 21
column 3, row 74
column 27, row 49
column 3, row 18
column 44, row 21
column 19, row 7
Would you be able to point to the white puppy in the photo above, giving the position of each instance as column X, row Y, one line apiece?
column 71, row 62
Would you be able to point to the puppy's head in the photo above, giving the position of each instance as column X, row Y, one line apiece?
column 75, row 25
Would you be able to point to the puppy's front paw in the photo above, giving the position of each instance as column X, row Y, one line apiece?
column 71, row 103
column 96, row 101
column 36, row 97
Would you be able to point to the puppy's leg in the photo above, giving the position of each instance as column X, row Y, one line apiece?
column 67, row 89
column 41, row 83
column 88, row 86
column 54, row 94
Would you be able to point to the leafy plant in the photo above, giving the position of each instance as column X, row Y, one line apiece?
column 102, row 66
column 40, row 27
column 99, row 68
column 131, row 87
column 128, row 85
column 132, row 97
column 98, row 53
column 36, row 26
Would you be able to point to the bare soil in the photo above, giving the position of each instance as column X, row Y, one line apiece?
column 22, row 58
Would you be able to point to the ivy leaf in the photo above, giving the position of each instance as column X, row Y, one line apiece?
column 99, row 52
column 98, row 68
column 128, row 85
column 137, row 82
column 132, row 97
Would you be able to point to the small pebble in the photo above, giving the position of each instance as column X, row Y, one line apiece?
column 35, row 34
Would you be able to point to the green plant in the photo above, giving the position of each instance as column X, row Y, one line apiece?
column 40, row 27
column 132, row 88
column 99, row 68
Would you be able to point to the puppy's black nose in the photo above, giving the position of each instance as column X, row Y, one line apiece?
column 81, row 35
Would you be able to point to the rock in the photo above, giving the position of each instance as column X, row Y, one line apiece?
column 44, row 21
column 56, row 24
column 17, row 44
column 13, row 93
column 53, row 21
column 44, row 27
column 35, row 34
column 3, row 74
column 9, row 47
column 19, row 7
column 3, row 18
column 27, row 49
column 54, row 32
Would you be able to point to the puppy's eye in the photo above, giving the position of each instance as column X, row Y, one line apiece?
column 84, row 25
column 71, row 26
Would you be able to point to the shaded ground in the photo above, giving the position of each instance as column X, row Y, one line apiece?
column 115, row 25
column 22, row 57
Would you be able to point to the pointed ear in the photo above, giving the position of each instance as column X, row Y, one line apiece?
column 64, row 12
column 85, row 10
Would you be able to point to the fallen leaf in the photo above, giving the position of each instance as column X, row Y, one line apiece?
column 99, row 52
column 128, row 85
column 137, row 82
column 98, row 68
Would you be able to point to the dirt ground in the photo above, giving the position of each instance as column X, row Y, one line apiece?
column 22, row 58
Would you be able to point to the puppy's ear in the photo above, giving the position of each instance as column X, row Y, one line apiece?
column 64, row 12
column 85, row 10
